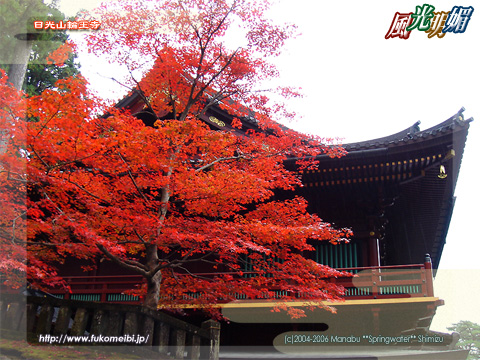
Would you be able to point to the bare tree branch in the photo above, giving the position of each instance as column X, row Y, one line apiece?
column 131, row 178
column 220, row 160
column 134, row 267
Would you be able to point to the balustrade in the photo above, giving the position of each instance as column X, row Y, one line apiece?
column 378, row 282
column 60, row 321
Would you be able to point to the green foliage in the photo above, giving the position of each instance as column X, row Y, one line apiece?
column 469, row 337
column 41, row 76
column 17, row 17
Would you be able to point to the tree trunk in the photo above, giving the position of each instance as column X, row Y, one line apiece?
column 18, row 68
column 153, row 291
column 153, row 282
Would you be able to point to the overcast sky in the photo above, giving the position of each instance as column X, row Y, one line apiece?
column 360, row 86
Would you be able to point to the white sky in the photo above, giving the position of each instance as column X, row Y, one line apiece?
column 360, row 86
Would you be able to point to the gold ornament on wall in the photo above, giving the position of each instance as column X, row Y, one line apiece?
column 216, row 121
column 442, row 174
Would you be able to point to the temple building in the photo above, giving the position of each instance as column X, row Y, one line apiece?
column 397, row 195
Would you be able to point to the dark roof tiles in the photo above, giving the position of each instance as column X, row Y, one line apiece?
column 411, row 134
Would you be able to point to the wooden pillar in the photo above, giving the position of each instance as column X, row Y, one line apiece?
column 375, row 282
column 428, row 275
column 103, row 295
column 373, row 250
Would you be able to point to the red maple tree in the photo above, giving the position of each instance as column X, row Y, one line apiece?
column 183, row 205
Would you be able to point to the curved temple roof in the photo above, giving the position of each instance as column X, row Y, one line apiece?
column 391, row 186
column 388, row 185
column 411, row 134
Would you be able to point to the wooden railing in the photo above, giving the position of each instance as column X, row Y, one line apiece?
column 379, row 282
column 70, row 322
column 383, row 282
column 101, row 288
